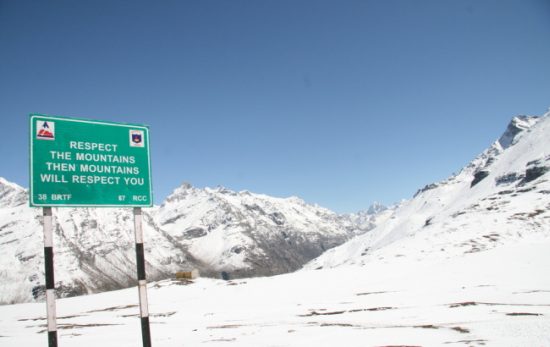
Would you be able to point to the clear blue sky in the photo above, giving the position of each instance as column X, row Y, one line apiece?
column 341, row 103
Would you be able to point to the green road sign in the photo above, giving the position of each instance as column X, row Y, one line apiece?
column 78, row 162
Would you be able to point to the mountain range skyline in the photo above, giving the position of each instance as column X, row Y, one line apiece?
column 246, row 234
column 512, row 129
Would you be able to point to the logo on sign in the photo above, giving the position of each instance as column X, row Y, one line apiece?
column 45, row 130
column 136, row 138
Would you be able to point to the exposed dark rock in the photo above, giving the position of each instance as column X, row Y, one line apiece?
column 173, row 219
column 516, row 126
column 277, row 218
column 426, row 188
column 533, row 173
column 195, row 232
column 478, row 177
column 508, row 178
column 256, row 208
column 237, row 249
column 505, row 192
column 39, row 292
column 428, row 222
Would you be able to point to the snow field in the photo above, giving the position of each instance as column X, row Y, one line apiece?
column 500, row 297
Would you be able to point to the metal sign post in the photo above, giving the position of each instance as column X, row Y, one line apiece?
column 50, row 282
column 142, row 282
column 89, row 163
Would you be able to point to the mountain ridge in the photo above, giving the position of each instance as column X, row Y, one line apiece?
column 245, row 234
column 501, row 196
column 214, row 230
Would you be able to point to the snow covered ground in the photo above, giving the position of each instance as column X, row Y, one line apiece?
column 500, row 297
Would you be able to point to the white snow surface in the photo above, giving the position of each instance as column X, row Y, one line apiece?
column 500, row 297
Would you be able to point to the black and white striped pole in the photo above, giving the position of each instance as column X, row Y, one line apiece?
column 142, row 282
column 50, row 282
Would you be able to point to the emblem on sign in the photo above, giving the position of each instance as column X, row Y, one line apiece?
column 45, row 130
column 136, row 138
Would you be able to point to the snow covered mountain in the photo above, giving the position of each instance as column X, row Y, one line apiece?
column 502, row 197
column 213, row 230
column 250, row 234
column 11, row 194
column 368, row 219
column 463, row 263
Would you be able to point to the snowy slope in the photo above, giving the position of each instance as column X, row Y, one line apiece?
column 481, row 299
column 501, row 197
column 94, row 251
column 213, row 230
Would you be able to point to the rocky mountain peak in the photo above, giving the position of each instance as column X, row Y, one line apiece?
column 186, row 185
column 516, row 126
column 11, row 194
column 376, row 207
column 180, row 192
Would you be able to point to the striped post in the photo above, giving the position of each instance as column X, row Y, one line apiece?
column 142, row 282
column 50, row 282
